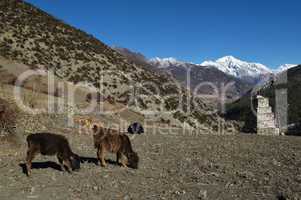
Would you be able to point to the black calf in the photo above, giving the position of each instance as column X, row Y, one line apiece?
column 51, row 144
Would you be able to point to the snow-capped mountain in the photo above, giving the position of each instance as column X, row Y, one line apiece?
column 238, row 68
column 201, row 74
column 228, row 64
column 285, row 67
column 227, row 69
column 166, row 62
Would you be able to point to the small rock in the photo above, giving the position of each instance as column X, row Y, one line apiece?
column 298, row 178
column 276, row 163
column 202, row 195
column 32, row 190
column 214, row 174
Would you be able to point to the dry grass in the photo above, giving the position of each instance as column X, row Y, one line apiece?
column 38, row 40
column 8, row 116
column 31, row 98
column 11, row 144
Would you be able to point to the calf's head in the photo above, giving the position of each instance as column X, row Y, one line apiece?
column 75, row 162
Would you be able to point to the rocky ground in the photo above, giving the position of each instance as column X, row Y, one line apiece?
column 172, row 167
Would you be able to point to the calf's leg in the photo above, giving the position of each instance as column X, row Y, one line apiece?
column 101, row 155
column 118, row 157
column 124, row 162
column 29, row 157
column 60, row 159
column 67, row 163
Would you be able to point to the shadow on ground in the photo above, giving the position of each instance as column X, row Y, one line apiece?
column 56, row 166
column 41, row 165
column 95, row 161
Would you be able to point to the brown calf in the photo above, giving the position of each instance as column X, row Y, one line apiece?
column 107, row 140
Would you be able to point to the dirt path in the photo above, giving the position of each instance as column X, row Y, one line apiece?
column 171, row 167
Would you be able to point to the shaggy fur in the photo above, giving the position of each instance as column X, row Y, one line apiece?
column 108, row 140
column 51, row 144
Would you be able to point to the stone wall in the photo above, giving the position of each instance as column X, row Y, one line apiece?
column 265, row 118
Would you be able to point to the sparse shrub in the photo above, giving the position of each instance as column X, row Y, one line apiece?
column 30, row 98
column 8, row 116
column 200, row 117
column 33, row 66
column 9, row 41
column 111, row 100
column 157, row 101
column 142, row 104
column 180, row 116
column 165, row 121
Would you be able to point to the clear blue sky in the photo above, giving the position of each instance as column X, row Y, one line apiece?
column 263, row 31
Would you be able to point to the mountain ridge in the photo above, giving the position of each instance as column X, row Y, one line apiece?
column 285, row 67
column 31, row 36
column 237, row 67
column 197, row 74
column 224, row 64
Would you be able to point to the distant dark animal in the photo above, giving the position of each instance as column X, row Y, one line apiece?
column 108, row 140
column 136, row 128
column 51, row 144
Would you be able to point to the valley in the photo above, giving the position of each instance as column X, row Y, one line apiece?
column 200, row 139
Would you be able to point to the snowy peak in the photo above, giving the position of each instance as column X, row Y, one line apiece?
column 166, row 62
column 285, row 67
column 228, row 59
column 227, row 64
column 238, row 68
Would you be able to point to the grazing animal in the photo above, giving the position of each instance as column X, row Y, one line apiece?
column 136, row 128
column 51, row 144
column 85, row 124
column 108, row 140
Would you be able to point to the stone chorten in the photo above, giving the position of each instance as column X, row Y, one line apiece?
column 265, row 118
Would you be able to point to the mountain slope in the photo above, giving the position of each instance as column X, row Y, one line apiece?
column 202, row 78
column 131, row 56
column 33, row 37
column 136, row 58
